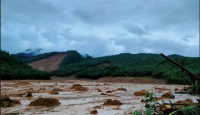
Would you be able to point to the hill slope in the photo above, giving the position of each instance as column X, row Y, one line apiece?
column 12, row 68
column 50, row 63
column 125, row 64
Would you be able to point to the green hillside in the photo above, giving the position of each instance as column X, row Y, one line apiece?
column 125, row 64
column 12, row 68
column 133, row 65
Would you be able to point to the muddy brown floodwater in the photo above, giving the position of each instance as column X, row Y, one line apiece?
column 75, row 101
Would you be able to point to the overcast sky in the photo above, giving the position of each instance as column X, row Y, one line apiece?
column 101, row 27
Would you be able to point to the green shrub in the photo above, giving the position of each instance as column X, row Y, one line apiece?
column 137, row 113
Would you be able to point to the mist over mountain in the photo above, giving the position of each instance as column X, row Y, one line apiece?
column 32, row 51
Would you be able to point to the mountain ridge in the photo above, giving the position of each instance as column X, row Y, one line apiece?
column 124, row 64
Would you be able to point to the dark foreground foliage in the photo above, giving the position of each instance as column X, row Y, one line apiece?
column 12, row 68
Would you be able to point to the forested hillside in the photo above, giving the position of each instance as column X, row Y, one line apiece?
column 12, row 68
column 127, row 64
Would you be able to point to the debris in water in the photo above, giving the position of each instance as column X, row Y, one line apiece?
column 93, row 112
column 97, row 107
column 57, row 89
column 103, row 94
column 7, row 102
column 108, row 91
column 29, row 94
column 78, row 87
column 168, row 95
column 121, row 89
column 141, row 93
column 45, row 102
column 112, row 102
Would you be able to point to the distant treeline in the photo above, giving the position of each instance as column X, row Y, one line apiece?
column 127, row 64
column 12, row 68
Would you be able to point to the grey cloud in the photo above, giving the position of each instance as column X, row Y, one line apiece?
column 150, row 45
column 187, row 37
column 135, row 29
column 92, row 16
column 29, row 6
column 101, row 27
column 183, row 14
column 32, row 12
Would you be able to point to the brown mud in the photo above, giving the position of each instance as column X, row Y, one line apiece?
column 84, row 96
